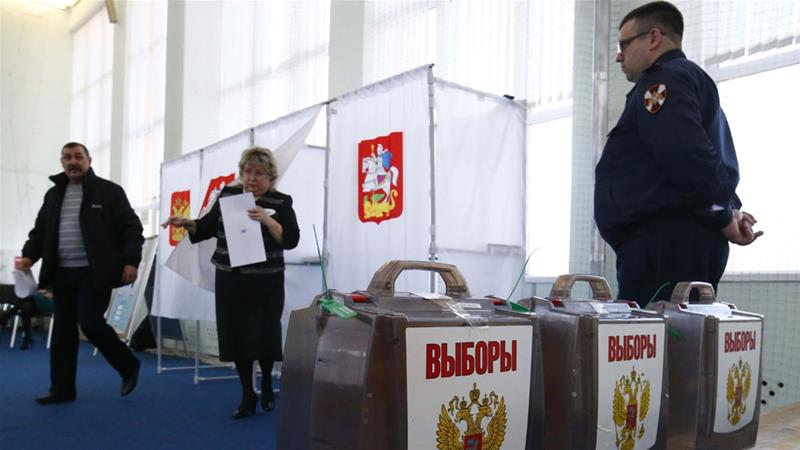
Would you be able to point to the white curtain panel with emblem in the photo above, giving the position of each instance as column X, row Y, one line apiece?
column 185, row 282
column 480, row 186
column 174, row 296
column 357, row 249
column 302, row 176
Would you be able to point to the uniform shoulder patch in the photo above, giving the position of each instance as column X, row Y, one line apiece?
column 655, row 97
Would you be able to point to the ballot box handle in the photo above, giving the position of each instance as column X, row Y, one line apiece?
column 562, row 287
column 683, row 289
column 384, row 279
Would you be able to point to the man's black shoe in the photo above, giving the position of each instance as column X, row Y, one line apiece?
column 129, row 382
column 51, row 398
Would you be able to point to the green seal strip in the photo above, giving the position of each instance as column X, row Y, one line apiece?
column 328, row 304
column 337, row 309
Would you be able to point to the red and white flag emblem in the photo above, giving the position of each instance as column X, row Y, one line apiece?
column 655, row 97
column 215, row 185
column 380, row 178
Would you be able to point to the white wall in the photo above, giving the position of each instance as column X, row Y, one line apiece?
column 36, row 50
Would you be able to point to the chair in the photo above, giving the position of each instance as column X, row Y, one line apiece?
column 7, row 293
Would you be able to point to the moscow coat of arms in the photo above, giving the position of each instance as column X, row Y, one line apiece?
column 380, row 178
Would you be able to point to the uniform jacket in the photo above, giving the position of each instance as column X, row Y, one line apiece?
column 675, row 158
column 211, row 225
column 111, row 231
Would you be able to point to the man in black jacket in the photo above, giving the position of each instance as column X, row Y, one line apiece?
column 665, row 187
column 90, row 241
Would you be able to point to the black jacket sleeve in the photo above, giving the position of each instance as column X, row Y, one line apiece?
column 206, row 225
column 682, row 147
column 288, row 220
column 33, row 247
column 128, row 227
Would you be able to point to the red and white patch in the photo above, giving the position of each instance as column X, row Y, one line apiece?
column 655, row 97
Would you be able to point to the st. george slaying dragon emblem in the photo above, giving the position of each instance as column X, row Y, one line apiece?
column 739, row 378
column 631, row 404
column 472, row 412
column 380, row 178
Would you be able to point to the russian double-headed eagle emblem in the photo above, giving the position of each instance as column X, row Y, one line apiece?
column 631, row 404
column 739, row 378
column 472, row 412
column 179, row 206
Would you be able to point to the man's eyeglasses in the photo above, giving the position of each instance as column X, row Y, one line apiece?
column 625, row 42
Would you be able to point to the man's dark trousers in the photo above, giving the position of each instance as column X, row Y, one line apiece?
column 77, row 302
column 665, row 252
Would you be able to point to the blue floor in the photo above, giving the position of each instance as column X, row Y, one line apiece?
column 166, row 411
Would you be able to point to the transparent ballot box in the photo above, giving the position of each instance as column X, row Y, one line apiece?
column 714, row 370
column 604, row 369
column 379, row 369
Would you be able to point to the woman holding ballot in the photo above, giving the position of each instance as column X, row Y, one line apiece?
column 249, row 298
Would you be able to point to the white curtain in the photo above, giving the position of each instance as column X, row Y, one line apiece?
column 304, row 179
column 92, row 64
column 480, row 186
column 274, row 59
column 143, row 121
column 174, row 297
column 356, row 248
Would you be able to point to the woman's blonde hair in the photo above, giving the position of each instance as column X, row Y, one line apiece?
column 260, row 156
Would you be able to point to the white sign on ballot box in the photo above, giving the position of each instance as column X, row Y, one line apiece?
column 738, row 365
column 468, row 387
column 629, row 386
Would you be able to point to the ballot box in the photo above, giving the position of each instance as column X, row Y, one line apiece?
column 714, row 370
column 604, row 369
column 379, row 369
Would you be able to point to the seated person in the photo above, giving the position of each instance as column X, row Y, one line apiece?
column 37, row 304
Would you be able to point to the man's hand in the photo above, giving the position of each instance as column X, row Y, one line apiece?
column 23, row 264
column 740, row 230
column 129, row 274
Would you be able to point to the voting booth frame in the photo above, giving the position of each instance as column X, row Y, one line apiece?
column 435, row 108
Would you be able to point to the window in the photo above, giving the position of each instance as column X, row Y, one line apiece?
column 549, row 199
column 143, row 122
column 274, row 60
column 761, row 111
column 90, row 115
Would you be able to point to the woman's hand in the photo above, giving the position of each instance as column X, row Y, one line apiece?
column 179, row 221
column 260, row 215
column 265, row 218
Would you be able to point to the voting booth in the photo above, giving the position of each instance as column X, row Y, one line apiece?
column 397, row 370
column 604, row 369
column 714, row 370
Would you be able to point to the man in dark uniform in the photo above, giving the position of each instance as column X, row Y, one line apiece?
column 90, row 241
column 665, row 188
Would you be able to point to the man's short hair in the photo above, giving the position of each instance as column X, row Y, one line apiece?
column 662, row 15
column 77, row 144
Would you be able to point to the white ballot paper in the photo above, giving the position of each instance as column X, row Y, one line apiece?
column 243, row 234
